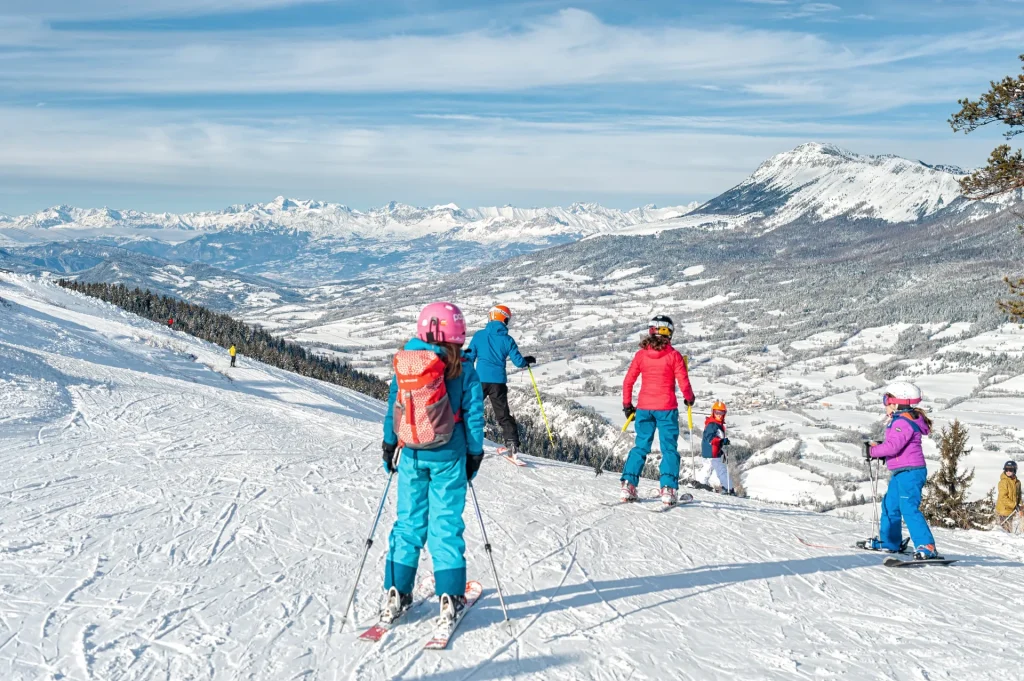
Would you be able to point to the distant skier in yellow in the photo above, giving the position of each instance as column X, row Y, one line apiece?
column 232, row 351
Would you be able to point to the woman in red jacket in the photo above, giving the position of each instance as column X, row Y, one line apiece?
column 662, row 367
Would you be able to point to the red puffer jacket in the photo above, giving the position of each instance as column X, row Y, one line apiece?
column 661, row 370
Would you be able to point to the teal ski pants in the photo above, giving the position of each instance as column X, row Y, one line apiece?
column 431, row 499
column 666, row 422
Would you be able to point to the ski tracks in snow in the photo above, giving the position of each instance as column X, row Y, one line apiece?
column 166, row 523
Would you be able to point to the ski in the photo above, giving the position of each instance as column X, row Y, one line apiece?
column 637, row 501
column 511, row 459
column 897, row 563
column 441, row 637
column 859, row 546
column 683, row 499
column 423, row 591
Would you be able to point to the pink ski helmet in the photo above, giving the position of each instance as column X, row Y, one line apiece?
column 441, row 323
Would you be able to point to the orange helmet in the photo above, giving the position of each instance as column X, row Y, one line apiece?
column 500, row 313
column 719, row 406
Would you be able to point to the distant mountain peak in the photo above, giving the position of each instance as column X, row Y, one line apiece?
column 818, row 181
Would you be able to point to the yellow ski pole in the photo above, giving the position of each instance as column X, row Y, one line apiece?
column 547, row 425
column 689, row 422
column 600, row 469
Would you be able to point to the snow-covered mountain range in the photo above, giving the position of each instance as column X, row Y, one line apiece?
column 305, row 242
column 321, row 220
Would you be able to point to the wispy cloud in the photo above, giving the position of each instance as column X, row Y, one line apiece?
column 572, row 47
column 482, row 160
column 816, row 10
column 92, row 10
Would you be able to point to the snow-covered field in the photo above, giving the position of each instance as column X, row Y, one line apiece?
column 821, row 390
column 163, row 517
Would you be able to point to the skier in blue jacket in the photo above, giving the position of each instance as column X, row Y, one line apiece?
column 491, row 348
column 432, row 482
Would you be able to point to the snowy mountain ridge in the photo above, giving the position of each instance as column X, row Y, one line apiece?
column 323, row 220
column 818, row 182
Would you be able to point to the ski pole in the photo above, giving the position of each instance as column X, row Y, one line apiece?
column 366, row 550
column 693, row 457
column 689, row 423
column 874, row 486
column 537, row 390
column 490, row 555
column 728, row 474
column 600, row 469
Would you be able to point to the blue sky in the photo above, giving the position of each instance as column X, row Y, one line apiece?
column 197, row 104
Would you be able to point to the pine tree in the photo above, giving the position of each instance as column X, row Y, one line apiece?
column 1003, row 103
column 944, row 502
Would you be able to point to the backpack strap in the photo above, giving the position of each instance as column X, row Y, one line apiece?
column 913, row 424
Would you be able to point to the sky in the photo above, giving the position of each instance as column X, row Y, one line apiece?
column 177, row 105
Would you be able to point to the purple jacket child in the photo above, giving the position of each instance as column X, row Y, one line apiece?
column 902, row 447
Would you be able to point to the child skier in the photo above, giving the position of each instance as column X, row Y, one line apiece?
column 662, row 367
column 490, row 348
column 904, row 458
column 1009, row 501
column 712, row 447
column 441, row 438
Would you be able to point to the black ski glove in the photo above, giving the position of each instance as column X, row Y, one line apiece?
column 389, row 457
column 473, row 462
column 689, row 403
column 530, row 360
column 628, row 410
column 725, row 442
column 867, row 451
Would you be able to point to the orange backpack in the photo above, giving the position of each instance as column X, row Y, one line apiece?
column 422, row 414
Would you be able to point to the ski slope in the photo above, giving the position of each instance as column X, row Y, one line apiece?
column 164, row 517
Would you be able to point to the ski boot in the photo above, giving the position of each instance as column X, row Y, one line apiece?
column 451, row 609
column 628, row 492
column 926, row 552
column 512, row 450
column 395, row 605
column 875, row 544
column 668, row 496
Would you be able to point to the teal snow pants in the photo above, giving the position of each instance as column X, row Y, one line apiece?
column 666, row 422
column 431, row 499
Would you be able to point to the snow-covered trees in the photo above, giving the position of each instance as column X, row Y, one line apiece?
column 944, row 502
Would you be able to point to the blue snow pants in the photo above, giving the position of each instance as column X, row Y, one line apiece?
column 902, row 502
column 666, row 422
column 431, row 499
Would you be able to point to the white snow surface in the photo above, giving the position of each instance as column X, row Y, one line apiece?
column 162, row 516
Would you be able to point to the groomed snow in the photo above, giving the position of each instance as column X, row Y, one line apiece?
column 164, row 517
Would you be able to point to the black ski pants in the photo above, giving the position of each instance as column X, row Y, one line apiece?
column 498, row 394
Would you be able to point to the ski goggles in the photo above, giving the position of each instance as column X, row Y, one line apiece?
column 888, row 399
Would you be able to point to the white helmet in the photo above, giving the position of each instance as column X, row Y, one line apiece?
column 902, row 393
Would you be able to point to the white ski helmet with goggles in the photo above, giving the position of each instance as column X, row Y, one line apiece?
column 902, row 394
column 661, row 326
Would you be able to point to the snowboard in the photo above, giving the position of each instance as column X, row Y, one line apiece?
column 897, row 563
column 440, row 639
column 423, row 591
